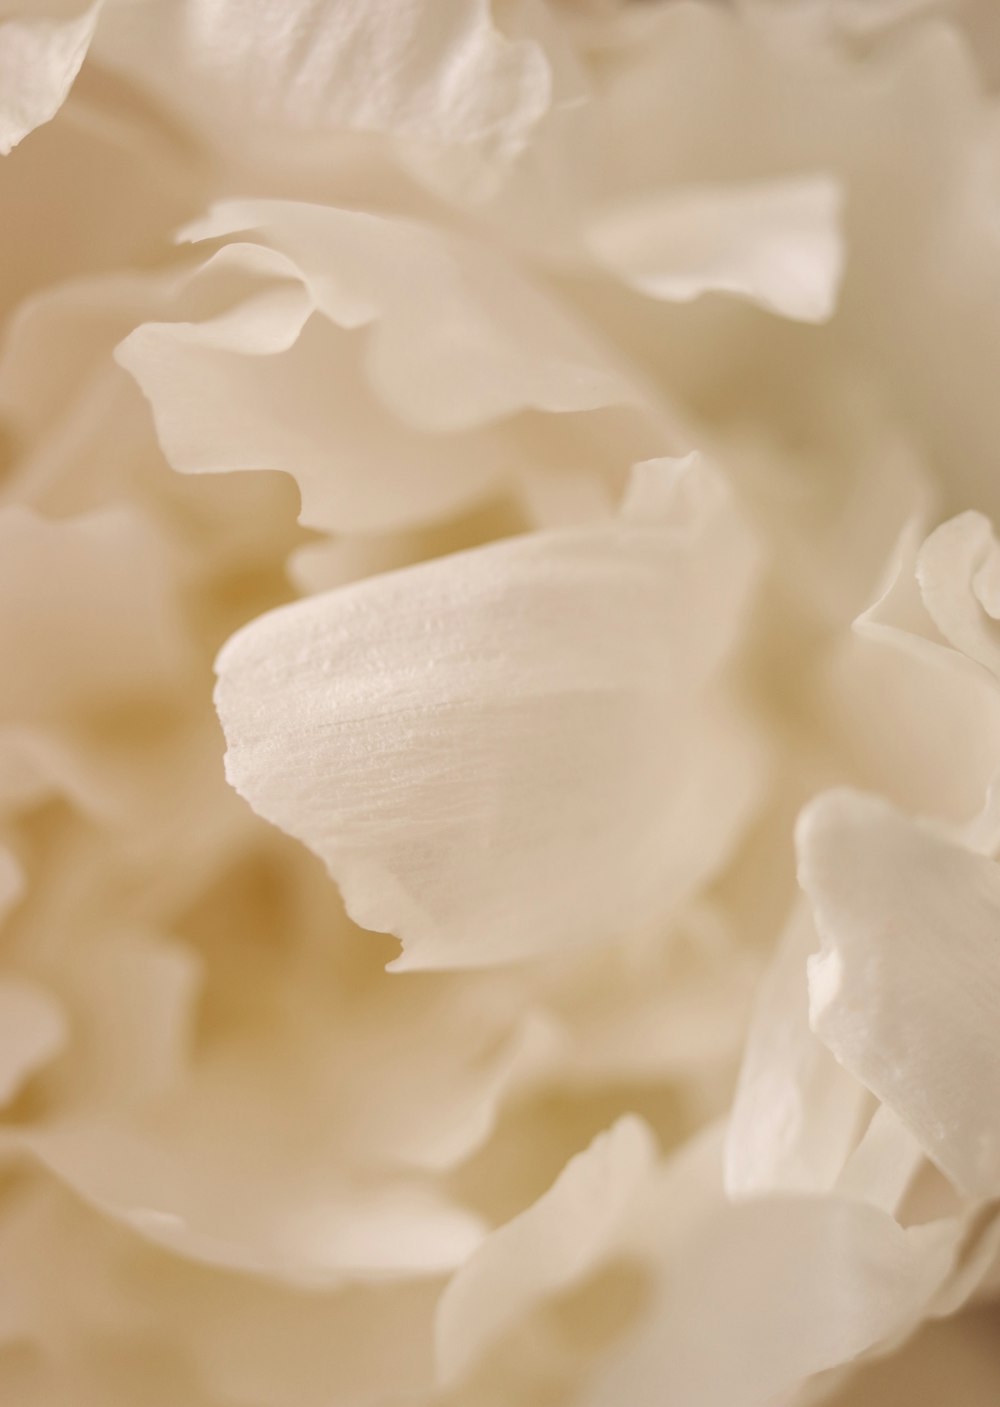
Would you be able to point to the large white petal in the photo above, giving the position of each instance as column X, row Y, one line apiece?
column 518, row 748
column 907, row 987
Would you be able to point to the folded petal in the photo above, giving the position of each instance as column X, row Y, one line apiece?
column 906, row 989
column 519, row 748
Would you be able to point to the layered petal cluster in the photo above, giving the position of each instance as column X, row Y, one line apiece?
column 499, row 703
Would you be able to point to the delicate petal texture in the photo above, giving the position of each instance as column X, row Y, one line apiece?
column 40, row 55
column 534, row 761
column 548, row 1248
column 32, row 1030
column 777, row 244
column 906, row 988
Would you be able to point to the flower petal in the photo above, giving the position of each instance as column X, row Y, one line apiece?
column 519, row 748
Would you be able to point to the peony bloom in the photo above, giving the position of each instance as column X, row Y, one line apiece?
column 500, row 727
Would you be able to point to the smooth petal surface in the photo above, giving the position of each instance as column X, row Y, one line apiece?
column 906, row 988
column 548, row 1248
column 776, row 243
column 516, row 749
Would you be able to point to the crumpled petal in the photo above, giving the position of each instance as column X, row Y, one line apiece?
column 518, row 748
column 548, row 1248
column 776, row 243
column 32, row 1031
column 372, row 358
column 907, row 986
column 40, row 55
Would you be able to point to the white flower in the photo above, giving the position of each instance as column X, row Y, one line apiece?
column 567, row 431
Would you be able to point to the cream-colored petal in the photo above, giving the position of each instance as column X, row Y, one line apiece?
column 776, row 243
column 906, row 987
column 41, row 50
column 32, row 1031
column 519, row 748
column 549, row 1248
